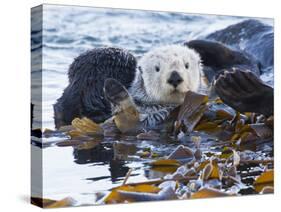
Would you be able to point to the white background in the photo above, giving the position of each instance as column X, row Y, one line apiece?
column 15, row 101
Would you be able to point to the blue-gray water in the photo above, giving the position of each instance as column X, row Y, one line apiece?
column 69, row 31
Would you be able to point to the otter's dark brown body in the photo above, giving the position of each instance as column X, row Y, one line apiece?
column 84, row 94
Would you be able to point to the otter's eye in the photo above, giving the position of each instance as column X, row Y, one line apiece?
column 186, row 65
column 157, row 68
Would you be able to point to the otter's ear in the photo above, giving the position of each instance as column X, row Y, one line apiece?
column 140, row 69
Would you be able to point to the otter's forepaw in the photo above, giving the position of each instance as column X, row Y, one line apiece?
column 114, row 91
column 244, row 91
column 117, row 95
column 126, row 115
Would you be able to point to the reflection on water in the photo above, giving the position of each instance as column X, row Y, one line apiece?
column 82, row 170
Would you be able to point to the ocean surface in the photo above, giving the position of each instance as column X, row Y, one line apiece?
column 69, row 31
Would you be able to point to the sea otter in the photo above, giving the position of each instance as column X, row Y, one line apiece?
column 156, row 83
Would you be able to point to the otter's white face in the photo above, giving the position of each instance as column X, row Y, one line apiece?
column 169, row 72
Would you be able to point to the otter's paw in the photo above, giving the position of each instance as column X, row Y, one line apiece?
column 126, row 115
column 244, row 91
column 117, row 95
column 114, row 91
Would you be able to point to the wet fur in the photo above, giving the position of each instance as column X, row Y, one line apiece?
column 84, row 94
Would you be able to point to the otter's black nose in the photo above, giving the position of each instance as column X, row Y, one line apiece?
column 175, row 79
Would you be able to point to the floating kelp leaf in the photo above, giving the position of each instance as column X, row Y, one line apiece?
column 181, row 152
column 240, row 123
column 127, row 120
column 245, row 128
column 216, row 173
column 265, row 179
column 164, row 169
column 49, row 203
column 115, row 197
column 202, row 165
column 191, row 110
column 193, row 119
column 66, row 128
column 223, row 114
column 247, row 137
column 207, row 127
column 191, row 103
column 267, row 190
column 166, row 193
column 75, row 133
column 208, row 193
column 165, row 162
column 250, row 132
column 206, row 173
column 86, row 125
column 226, row 153
column 150, row 135
column 235, row 137
column 211, row 171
